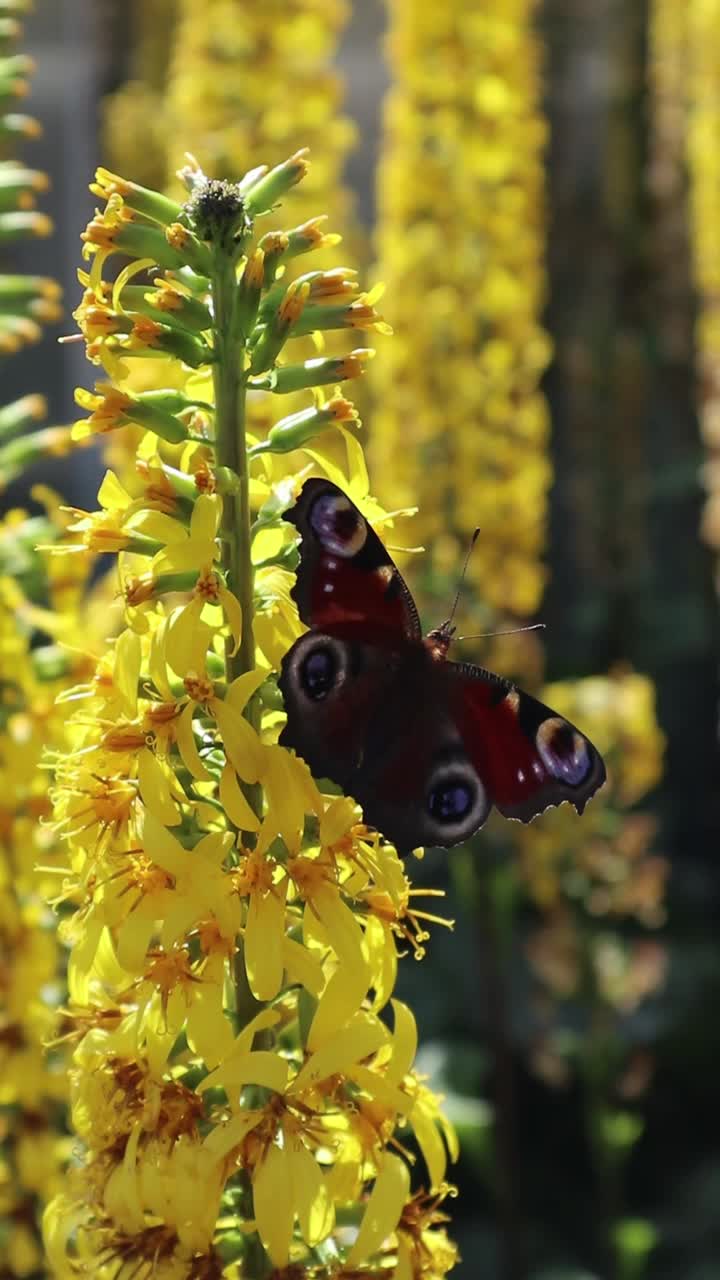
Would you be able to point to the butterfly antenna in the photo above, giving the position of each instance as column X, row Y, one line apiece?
column 514, row 631
column 461, row 583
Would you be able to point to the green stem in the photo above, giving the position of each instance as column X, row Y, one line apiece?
column 231, row 449
column 231, row 452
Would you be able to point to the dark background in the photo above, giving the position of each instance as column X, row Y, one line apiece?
column 630, row 581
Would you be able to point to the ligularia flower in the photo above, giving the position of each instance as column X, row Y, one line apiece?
column 242, row 1083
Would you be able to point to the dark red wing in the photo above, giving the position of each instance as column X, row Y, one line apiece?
column 527, row 755
column 345, row 573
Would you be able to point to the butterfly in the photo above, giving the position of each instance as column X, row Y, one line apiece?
column 425, row 745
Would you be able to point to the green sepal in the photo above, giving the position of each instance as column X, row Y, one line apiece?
column 295, row 430
column 17, row 290
column 162, row 424
column 265, row 193
column 16, row 417
column 14, row 124
column 17, row 224
column 319, row 372
column 192, row 315
column 140, row 240
column 152, row 204
column 330, row 316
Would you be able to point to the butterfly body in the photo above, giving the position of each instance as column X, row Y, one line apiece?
column 426, row 745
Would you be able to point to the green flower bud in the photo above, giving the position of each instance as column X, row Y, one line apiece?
column 265, row 193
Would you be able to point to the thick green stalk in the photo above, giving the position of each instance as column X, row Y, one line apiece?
column 231, row 452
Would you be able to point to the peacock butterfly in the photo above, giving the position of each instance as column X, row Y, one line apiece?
column 425, row 745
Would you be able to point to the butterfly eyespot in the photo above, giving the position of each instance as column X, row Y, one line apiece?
column 456, row 802
column 339, row 526
column 451, row 801
column 563, row 751
column 319, row 672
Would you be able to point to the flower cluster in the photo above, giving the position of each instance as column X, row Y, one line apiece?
column 460, row 425
column 33, row 1142
column 243, row 1099
column 245, row 77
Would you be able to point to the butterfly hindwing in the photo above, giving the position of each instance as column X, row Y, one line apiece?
column 529, row 756
column 376, row 719
column 334, row 683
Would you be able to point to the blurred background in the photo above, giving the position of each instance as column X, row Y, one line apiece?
column 539, row 187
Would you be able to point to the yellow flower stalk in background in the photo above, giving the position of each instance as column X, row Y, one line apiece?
column 27, row 302
column 34, row 1147
column 460, row 426
column 701, row 88
column 33, row 1143
column 242, row 1105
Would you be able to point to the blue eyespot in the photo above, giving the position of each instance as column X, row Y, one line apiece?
column 338, row 524
column 318, row 673
column 563, row 751
column 450, row 801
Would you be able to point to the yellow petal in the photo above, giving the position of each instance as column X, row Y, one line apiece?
column 177, row 921
column 122, row 1191
column 357, row 466
column 187, row 639
column 264, row 933
column 337, row 819
column 315, row 1209
column 342, row 929
column 157, row 665
column 259, row 1066
column 187, row 744
column 343, row 1178
column 126, row 672
column 163, row 849
column 133, row 940
column 155, row 789
column 243, row 687
column 234, row 803
column 233, row 615
column 361, row 1038
column 221, row 1140
column 155, row 524
column 302, row 966
column 273, row 1203
column 404, row 1267
column 341, row 998
column 205, row 519
column 431, row 1145
column 262, row 1021
column 111, row 494
column 386, row 1203
column 375, row 1084
column 404, row 1043
column 382, row 960
column 242, row 746
column 208, row 1030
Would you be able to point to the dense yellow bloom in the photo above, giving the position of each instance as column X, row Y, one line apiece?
column 33, row 1086
column 460, row 426
column 234, row 932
